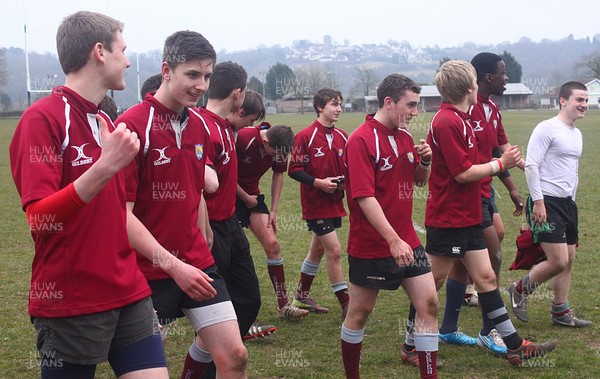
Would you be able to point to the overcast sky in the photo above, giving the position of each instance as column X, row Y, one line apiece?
column 236, row 25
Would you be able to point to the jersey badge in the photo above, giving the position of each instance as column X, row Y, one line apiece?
column 81, row 158
column 199, row 151
column 386, row 164
column 162, row 157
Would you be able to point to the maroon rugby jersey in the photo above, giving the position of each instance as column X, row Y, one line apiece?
column 221, row 152
column 166, row 179
column 84, row 265
column 314, row 154
column 376, row 169
column 489, row 134
column 253, row 162
column 454, row 147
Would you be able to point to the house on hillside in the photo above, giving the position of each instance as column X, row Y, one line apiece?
column 516, row 96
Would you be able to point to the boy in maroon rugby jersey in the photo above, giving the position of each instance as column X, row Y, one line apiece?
column 489, row 132
column 164, row 189
column 66, row 158
column 231, row 248
column 453, row 212
column 259, row 149
column 382, row 167
column 316, row 162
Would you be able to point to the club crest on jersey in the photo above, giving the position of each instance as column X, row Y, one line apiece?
column 340, row 151
column 411, row 157
column 162, row 157
column 386, row 164
column 199, row 151
column 319, row 153
column 81, row 158
column 495, row 124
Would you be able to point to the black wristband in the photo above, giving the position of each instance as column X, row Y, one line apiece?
column 504, row 174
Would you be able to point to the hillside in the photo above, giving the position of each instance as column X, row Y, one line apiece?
column 545, row 63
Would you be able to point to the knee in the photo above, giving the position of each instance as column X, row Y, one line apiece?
column 335, row 253
column 427, row 311
column 501, row 233
column 357, row 318
column 234, row 359
column 439, row 282
column 561, row 264
column 487, row 281
column 273, row 248
column 239, row 357
column 431, row 305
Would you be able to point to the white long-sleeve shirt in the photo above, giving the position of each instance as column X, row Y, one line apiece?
column 553, row 159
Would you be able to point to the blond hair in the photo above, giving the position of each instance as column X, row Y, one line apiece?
column 454, row 80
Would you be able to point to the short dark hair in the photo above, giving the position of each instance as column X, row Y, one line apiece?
column 324, row 96
column 109, row 107
column 253, row 104
column 151, row 85
column 485, row 63
column 77, row 35
column 226, row 77
column 395, row 86
column 281, row 138
column 185, row 46
column 566, row 90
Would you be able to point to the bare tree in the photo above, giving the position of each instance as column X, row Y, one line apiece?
column 365, row 79
column 591, row 64
column 331, row 78
column 315, row 76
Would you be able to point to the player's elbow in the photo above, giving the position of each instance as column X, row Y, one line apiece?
column 531, row 167
column 211, row 187
column 462, row 178
column 211, row 181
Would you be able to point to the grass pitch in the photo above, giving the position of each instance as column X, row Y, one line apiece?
column 310, row 348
